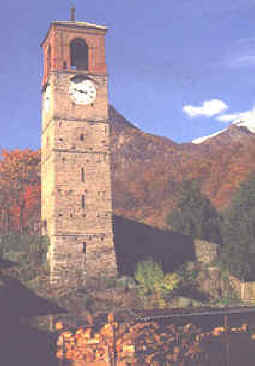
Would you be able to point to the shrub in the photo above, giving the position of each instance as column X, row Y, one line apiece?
column 170, row 282
column 154, row 283
column 28, row 252
column 149, row 275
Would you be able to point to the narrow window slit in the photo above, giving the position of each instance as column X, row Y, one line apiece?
column 83, row 201
column 82, row 175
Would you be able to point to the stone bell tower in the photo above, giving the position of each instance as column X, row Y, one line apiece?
column 76, row 157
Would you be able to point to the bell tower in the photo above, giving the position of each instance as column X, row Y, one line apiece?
column 76, row 156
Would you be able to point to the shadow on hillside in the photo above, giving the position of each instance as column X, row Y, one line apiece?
column 20, row 343
column 136, row 241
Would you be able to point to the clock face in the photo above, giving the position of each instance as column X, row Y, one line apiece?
column 47, row 98
column 82, row 91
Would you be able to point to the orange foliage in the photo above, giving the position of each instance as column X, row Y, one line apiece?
column 146, row 173
column 19, row 188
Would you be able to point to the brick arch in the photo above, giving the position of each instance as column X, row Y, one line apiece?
column 79, row 54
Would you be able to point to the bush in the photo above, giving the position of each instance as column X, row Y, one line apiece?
column 188, row 273
column 170, row 282
column 149, row 275
column 28, row 252
column 155, row 286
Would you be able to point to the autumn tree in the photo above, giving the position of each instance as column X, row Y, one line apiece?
column 5, row 207
column 195, row 215
column 19, row 185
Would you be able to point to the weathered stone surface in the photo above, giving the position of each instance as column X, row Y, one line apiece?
column 205, row 251
column 76, row 162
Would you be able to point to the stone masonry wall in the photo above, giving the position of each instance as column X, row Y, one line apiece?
column 76, row 166
column 205, row 251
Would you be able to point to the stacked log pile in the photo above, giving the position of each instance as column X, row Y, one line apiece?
column 140, row 343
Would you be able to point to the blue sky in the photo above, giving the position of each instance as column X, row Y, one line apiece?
column 179, row 68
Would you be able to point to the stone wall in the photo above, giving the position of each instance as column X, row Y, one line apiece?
column 219, row 286
column 243, row 290
column 205, row 251
column 76, row 163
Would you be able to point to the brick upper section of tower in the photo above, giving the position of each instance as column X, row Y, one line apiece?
column 56, row 47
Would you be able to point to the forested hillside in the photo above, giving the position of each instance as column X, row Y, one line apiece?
column 146, row 173
column 147, row 169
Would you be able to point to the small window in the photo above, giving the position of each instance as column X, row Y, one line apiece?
column 84, row 247
column 83, row 201
column 82, row 137
column 82, row 175
column 64, row 65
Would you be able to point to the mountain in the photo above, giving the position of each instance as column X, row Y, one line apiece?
column 147, row 169
column 244, row 126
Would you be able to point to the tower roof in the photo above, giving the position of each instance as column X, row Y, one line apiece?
column 77, row 25
column 81, row 24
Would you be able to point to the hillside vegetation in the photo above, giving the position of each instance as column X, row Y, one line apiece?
column 146, row 173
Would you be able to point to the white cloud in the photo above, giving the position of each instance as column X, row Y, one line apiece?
column 248, row 116
column 228, row 117
column 241, row 119
column 209, row 108
column 242, row 61
column 240, row 54
column 245, row 119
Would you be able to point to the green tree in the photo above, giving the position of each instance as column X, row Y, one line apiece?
column 238, row 231
column 153, row 281
column 170, row 282
column 149, row 275
column 195, row 215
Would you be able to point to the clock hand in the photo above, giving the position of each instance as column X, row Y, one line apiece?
column 82, row 91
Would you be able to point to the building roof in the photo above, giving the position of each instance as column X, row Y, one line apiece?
column 76, row 24
column 81, row 24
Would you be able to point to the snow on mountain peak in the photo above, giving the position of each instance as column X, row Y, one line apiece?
column 199, row 140
column 249, row 124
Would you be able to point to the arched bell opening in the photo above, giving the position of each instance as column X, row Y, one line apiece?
column 79, row 54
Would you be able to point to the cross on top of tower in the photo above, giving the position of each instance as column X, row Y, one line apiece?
column 72, row 13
